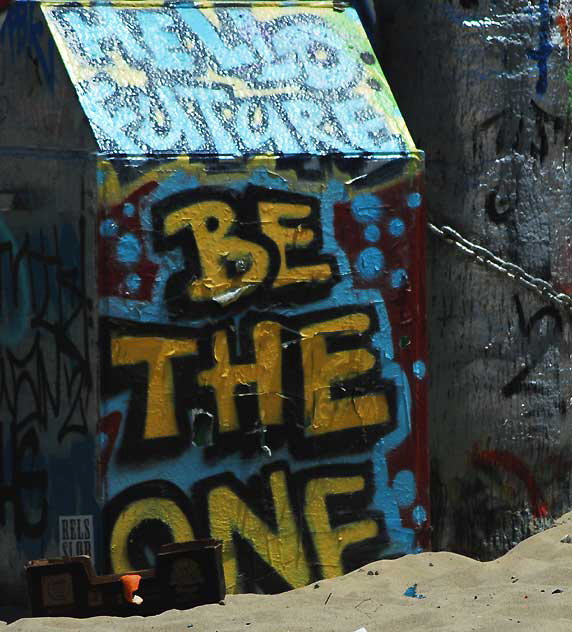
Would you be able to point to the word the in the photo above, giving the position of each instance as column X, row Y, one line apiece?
column 337, row 385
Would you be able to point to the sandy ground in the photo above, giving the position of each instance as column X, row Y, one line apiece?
column 530, row 588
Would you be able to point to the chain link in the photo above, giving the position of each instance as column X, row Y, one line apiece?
column 487, row 258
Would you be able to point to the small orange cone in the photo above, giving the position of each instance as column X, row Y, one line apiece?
column 130, row 585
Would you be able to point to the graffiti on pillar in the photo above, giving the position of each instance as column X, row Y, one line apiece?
column 23, row 33
column 227, row 81
column 46, row 384
column 263, row 363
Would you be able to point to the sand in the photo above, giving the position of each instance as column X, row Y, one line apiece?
column 530, row 588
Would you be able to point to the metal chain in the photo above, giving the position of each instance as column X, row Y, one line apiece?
column 487, row 258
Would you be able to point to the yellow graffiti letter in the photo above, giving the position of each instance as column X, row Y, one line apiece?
column 282, row 550
column 157, row 354
column 323, row 369
column 275, row 217
column 266, row 373
column 329, row 542
column 230, row 266
column 156, row 509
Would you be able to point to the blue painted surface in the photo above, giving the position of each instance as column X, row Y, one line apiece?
column 133, row 283
column 414, row 200
column 396, row 227
column 366, row 207
column 108, row 228
column 372, row 233
column 129, row 249
column 398, row 278
column 545, row 47
column 228, row 81
column 419, row 369
column 419, row 515
column 370, row 263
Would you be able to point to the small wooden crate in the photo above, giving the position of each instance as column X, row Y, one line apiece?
column 186, row 574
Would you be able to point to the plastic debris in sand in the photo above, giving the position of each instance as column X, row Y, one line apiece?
column 130, row 586
column 412, row 592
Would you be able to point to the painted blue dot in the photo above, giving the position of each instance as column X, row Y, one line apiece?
column 133, row 283
column 370, row 263
column 404, row 488
column 414, row 200
column 419, row 369
column 108, row 228
column 372, row 233
column 398, row 278
column 103, row 440
column 128, row 209
column 396, row 227
column 366, row 208
column 419, row 515
column 145, row 203
column 101, row 177
column 128, row 249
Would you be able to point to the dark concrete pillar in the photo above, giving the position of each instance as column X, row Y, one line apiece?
column 485, row 87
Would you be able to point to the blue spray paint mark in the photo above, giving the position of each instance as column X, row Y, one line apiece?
column 414, row 200
column 133, row 283
column 366, row 208
column 419, row 515
column 398, row 278
column 404, row 488
column 128, row 249
column 372, row 233
column 396, row 227
column 419, row 369
column 545, row 48
column 370, row 263
column 108, row 228
column 128, row 210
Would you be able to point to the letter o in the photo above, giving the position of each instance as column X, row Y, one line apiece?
column 163, row 509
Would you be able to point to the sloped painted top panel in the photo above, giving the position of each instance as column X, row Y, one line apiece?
column 228, row 81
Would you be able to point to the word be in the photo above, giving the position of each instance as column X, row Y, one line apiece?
column 263, row 244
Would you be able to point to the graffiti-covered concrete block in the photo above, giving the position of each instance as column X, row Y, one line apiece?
column 249, row 227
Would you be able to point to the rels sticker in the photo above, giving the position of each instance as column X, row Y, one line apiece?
column 76, row 536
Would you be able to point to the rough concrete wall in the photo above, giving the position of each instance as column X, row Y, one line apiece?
column 38, row 103
column 48, row 399
column 483, row 87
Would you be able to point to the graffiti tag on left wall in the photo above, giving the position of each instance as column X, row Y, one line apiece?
column 46, row 383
